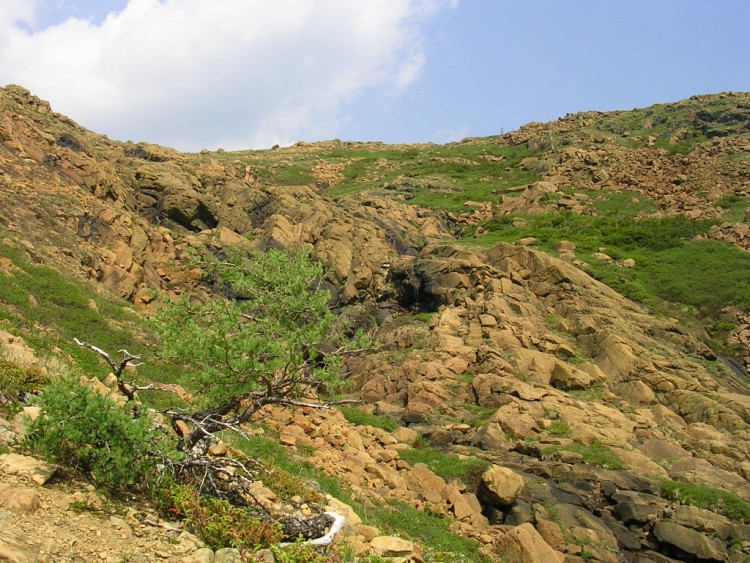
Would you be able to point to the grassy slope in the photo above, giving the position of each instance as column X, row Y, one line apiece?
column 438, row 176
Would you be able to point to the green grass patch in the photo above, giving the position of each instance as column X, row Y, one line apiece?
column 362, row 418
column 559, row 429
column 439, row 176
column 447, row 466
column 702, row 277
column 716, row 500
column 620, row 234
column 428, row 529
column 593, row 393
column 594, row 454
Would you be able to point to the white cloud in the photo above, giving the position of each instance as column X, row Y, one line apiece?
column 237, row 73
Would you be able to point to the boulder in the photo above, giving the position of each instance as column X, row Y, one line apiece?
column 391, row 546
column 702, row 520
column 637, row 508
column 500, row 485
column 31, row 468
column 689, row 542
column 523, row 544
column 21, row 500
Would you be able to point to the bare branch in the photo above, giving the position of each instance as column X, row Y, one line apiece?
column 99, row 351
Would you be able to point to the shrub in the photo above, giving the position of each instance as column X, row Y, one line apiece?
column 220, row 524
column 559, row 429
column 15, row 379
column 93, row 434
column 594, row 454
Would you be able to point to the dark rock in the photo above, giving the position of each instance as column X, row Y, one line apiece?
column 608, row 488
column 520, row 513
column 625, row 537
column 683, row 542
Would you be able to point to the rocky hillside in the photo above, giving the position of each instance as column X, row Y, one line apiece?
column 562, row 314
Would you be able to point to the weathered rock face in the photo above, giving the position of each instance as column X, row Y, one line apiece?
column 135, row 210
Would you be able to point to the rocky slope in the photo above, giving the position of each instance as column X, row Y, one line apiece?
column 589, row 410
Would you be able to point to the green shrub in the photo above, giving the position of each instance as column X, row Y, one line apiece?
column 15, row 379
column 91, row 433
column 429, row 529
column 300, row 552
column 559, row 429
column 220, row 524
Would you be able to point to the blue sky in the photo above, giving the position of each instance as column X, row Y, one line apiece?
column 251, row 73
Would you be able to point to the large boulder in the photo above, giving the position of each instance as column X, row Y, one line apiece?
column 523, row 544
column 689, row 542
column 501, row 486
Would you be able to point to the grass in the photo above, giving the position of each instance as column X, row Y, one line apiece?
column 362, row 418
column 64, row 311
column 593, row 393
column 447, row 466
column 701, row 277
column 594, row 454
column 403, row 519
column 618, row 232
column 438, row 176
column 559, row 429
column 716, row 500
column 696, row 122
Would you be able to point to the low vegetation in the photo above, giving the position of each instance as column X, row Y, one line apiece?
column 115, row 447
column 670, row 264
column 595, row 453
column 718, row 500
column 448, row 466
column 437, row 176
column 363, row 418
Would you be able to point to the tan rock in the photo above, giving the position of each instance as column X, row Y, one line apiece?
column 202, row 555
column 516, row 419
column 523, row 544
column 405, row 435
column 690, row 541
column 566, row 377
column 335, row 505
column 31, row 468
column 19, row 499
column 423, row 481
column 391, row 546
column 368, row 533
column 23, row 419
column 502, row 485
column 551, row 533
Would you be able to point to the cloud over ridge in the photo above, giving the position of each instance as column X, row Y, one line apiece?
column 237, row 73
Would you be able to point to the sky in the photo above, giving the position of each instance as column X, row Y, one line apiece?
column 242, row 74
